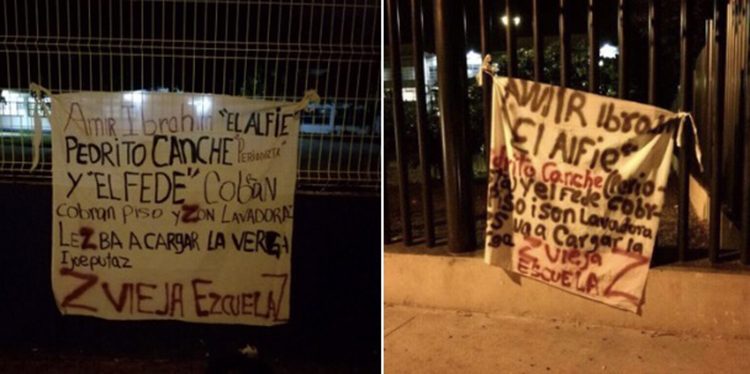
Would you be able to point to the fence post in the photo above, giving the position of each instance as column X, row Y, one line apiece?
column 538, row 41
column 622, row 81
column 386, row 220
column 566, row 70
column 593, row 47
column 398, row 120
column 451, row 65
column 686, row 105
column 652, row 52
column 485, row 14
column 422, row 122
column 714, row 221
column 745, row 252
column 511, row 47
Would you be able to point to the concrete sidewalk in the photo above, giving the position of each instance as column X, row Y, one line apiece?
column 436, row 341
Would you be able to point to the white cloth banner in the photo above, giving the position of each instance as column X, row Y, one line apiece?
column 173, row 206
column 576, row 187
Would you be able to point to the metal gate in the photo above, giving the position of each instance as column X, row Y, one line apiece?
column 657, row 44
column 264, row 49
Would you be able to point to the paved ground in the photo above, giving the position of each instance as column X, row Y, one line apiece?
column 51, row 363
column 435, row 341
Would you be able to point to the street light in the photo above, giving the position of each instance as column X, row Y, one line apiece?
column 516, row 20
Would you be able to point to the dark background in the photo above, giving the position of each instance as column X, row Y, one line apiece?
column 335, row 293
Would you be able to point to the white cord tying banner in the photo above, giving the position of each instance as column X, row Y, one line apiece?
column 684, row 116
column 311, row 96
column 485, row 68
column 36, row 142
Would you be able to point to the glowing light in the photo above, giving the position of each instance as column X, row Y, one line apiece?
column 516, row 20
column 473, row 58
column 608, row 51
column 409, row 94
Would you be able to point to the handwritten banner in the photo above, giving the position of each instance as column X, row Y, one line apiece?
column 576, row 187
column 173, row 206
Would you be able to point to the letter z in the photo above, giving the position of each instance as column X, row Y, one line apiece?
column 90, row 281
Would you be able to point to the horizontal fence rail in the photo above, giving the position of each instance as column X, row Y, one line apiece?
column 269, row 50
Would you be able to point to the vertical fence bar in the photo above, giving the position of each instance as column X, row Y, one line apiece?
column 485, row 10
column 730, row 119
column 593, row 49
column 714, row 229
column 745, row 252
column 538, row 44
column 387, row 235
column 398, row 120
column 510, row 40
column 710, row 94
column 652, row 35
column 422, row 119
column 734, row 150
column 451, row 65
column 622, row 80
column 565, row 52
column 710, row 83
column 686, row 105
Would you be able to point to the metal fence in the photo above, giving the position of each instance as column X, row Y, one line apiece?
column 264, row 49
column 664, row 55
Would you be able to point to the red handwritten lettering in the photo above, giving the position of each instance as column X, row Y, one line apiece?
column 90, row 281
